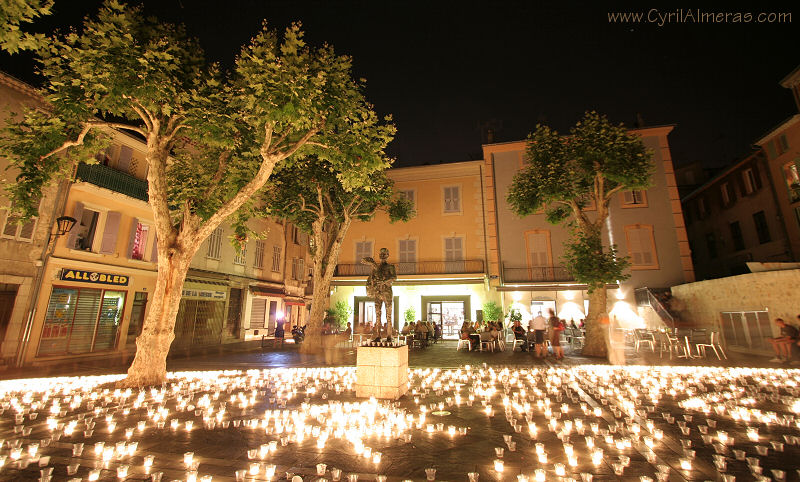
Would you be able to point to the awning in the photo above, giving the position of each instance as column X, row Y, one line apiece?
column 267, row 291
column 294, row 303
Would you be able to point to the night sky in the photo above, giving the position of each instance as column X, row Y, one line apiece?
column 447, row 71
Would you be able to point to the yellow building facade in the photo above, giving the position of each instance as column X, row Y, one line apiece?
column 440, row 254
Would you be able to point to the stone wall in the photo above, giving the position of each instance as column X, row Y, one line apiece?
column 775, row 291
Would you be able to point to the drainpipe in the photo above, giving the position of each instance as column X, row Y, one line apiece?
column 60, row 204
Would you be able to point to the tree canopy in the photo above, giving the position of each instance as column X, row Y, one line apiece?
column 212, row 138
column 15, row 13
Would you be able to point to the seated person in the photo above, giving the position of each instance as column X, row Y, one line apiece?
column 783, row 343
column 494, row 331
column 520, row 334
column 348, row 331
column 437, row 331
column 406, row 329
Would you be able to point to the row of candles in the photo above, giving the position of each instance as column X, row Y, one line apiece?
column 555, row 398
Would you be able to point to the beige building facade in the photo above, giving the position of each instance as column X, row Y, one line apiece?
column 440, row 254
column 525, row 253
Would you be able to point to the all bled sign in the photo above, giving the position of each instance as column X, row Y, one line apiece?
column 93, row 277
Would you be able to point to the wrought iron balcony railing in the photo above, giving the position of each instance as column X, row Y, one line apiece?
column 112, row 179
column 537, row 274
column 417, row 267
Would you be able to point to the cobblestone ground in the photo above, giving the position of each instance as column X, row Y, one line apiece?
column 662, row 422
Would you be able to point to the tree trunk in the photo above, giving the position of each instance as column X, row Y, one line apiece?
column 326, row 255
column 149, row 367
column 596, row 333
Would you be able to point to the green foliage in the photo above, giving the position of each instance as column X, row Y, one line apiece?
column 14, row 13
column 565, row 174
column 410, row 315
column 342, row 311
column 561, row 169
column 492, row 311
column 514, row 315
column 586, row 259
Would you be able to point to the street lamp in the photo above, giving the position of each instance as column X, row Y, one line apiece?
column 64, row 225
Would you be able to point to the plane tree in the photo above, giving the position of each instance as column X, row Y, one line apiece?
column 313, row 196
column 212, row 138
column 573, row 178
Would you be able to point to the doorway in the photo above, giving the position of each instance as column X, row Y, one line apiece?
column 449, row 315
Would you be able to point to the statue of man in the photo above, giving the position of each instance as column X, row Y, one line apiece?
column 379, row 286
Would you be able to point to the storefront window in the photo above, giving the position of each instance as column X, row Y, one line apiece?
column 81, row 320
column 137, row 317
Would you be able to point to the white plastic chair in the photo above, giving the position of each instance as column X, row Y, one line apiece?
column 462, row 342
column 714, row 344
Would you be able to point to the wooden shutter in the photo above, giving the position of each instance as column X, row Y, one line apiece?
column 257, row 313
column 124, row 163
column 627, row 197
column 640, row 243
column 538, row 252
column 109, row 243
column 77, row 213
column 154, row 253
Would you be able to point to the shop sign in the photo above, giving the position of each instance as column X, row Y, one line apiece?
column 93, row 277
column 213, row 295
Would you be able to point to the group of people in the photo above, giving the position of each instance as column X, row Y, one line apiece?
column 477, row 332
column 539, row 328
column 782, row 345
column 422, row 329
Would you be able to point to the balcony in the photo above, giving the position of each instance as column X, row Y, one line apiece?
column 112, row 179
column 417, row 268
column 543, row 274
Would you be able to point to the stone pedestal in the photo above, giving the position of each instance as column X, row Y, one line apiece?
column 382, row 372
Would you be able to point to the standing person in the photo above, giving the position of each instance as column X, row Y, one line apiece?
column 556, row 327
column 539, row 326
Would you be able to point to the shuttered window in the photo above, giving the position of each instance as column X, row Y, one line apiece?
column 241, row 255
column 276, row 259
column 634, row 199
column 406, row 256
column 538, row 243
column 454, row 255
column 124, row 162
column 140, row 236
column 641, row 246
column 452, row 199
column 215, row 244
column 258, row 312
column 258, row 262
column 363, row 250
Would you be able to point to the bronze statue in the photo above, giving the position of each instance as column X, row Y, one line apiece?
column 379, row 287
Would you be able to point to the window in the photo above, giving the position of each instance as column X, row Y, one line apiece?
column 276, row 259
column 701, row 208
column 538, row 246
column 363, row 250
column 82, row 235
column 214, row 244
column 749, row 179
column 19, row 232
column 760, row 220
column 258, row 262
column 298, row 268
column 241, row 254
column 641, row 246
column 736, row 235
column 454, row 254
column 634, row 199
column 298, row 236
column 726, row 195
column 711, row 244
column 406, row 256
column 409, row 194
column 138, row 311
column 791, row 173
column 139, row 236
column 452, row 199
column 782, row 143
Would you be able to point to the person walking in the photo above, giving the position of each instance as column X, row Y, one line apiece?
column 556, row 327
